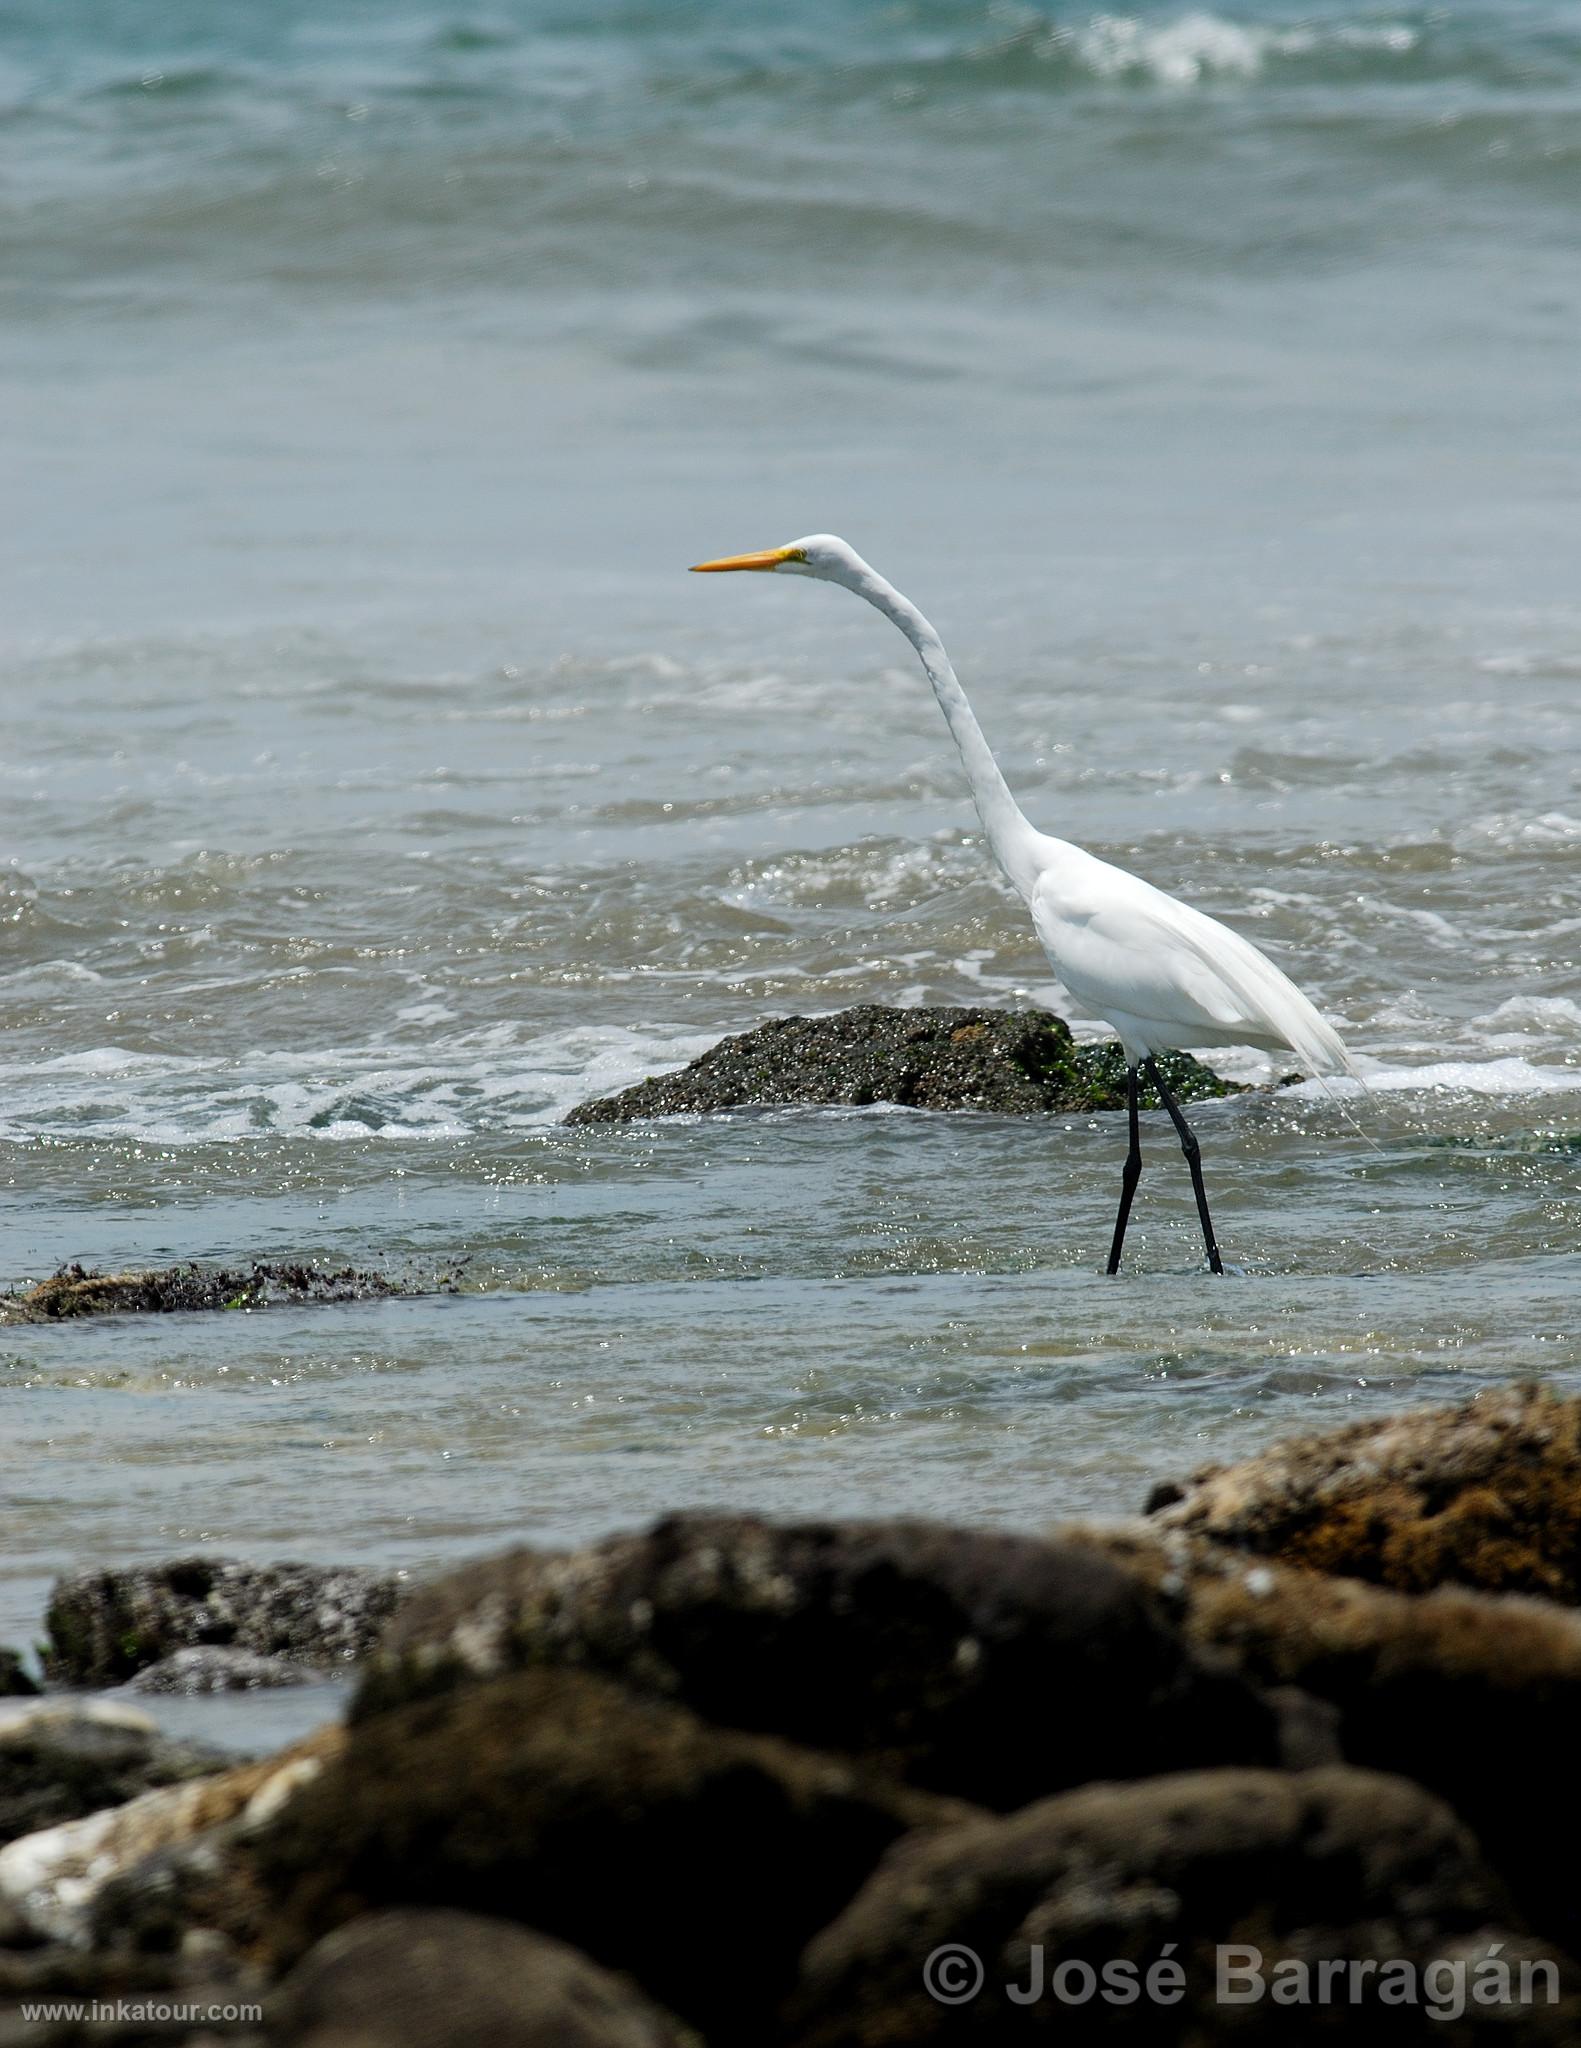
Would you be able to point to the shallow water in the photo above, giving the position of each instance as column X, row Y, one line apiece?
column 375, row 785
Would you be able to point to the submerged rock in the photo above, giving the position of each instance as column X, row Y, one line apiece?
column 77, row 1291
column 1487, row 1494
column 206, row 1668
column 994, row 1667
column 413, row 1979
column 1332, row 1864
column 60, row 1760
column 104, row 1626
column 1018, row 1062
column 698, row 1858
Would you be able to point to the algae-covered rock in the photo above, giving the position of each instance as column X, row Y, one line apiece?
column 415, row 1979
column 104, row 1626
column 698, row 1858
column 1018, row 1062
column 991, row 1666
column 1487, row 1494
column 76, row 1290
column 1335, row 1864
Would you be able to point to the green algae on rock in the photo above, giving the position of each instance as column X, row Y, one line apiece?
column 1015, row 1062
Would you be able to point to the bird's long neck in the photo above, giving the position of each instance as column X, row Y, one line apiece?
column 1010, row 835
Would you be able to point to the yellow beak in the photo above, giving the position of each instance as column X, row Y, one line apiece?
column 765, row 558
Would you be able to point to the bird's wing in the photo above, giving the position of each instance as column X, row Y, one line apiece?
column 1121, row 945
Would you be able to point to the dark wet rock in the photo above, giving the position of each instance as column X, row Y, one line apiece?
column 1335, row 1863
column 698, row 1858
column 104, row 1626
column 60, row 1760
column 16, row 1682
column 206, row 1668
column 131, row 1993
column 77, row 1291
column 994, row 1667
column 1474, row 1695
column 414, row 1979
column 1487, row 1494
column 1017, row 1062
column 17, row 1931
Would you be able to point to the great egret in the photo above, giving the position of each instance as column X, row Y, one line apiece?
column 1164, row 975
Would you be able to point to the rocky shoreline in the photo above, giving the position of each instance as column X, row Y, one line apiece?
column 730, row 1782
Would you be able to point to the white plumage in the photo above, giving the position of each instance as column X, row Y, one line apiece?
column 1164, row 975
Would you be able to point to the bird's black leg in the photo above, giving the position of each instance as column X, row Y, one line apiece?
column 1133, row 1170
column 1188, row 1145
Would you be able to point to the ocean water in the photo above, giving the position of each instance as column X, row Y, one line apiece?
column 374, row 784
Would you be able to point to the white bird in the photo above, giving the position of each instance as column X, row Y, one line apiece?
column 1164, row 975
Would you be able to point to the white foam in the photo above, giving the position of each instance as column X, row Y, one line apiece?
column 1548, row 828
column 1553, row 1013
column 489, row 1082
column 1499, row 1077
column 1199, row 45
column 1119, row 46
column 47, row 974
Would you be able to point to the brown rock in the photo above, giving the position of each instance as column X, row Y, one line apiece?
column 998, row 1668
column 1475, row 1695
column 698, row 1858
column 1335, row 1863
column 1487, row 1494
column 416, row 1979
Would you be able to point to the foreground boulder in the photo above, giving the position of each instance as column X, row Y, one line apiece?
column 1472, row 1694
column 1487, row 1494
column 1018, row 1062
column 104, row 1626
column 698, row 1858
column 60, row 1760
column 53, row 1878
column 1154, row 1877
column 412, row 1979
column 997, row 1668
